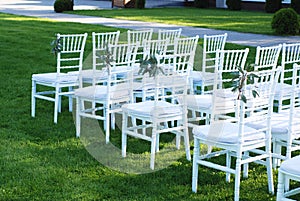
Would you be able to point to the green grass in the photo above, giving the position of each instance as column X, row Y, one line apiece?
column 241, row 21
column 41, row 160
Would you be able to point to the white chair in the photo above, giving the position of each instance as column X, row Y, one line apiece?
column 233, row 138
column 109, row 95
column 290, row 55
column 172, row 35
column 286, row 123
column 205, row 77
column 156, row 113
column 289, row 170
column 60, row 83
column 227, row 62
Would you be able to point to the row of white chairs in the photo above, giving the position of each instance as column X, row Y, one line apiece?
column 113, row 81
column 70, row 58
column 265, row 57
column 284, row 125
column 110, row 85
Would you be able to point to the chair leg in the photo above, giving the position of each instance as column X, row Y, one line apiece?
column 107, row 123
column 237, row 178
column 78, row 120
column 70, row 100
column 153, row 145
column 270, row 174
column 187, row 146
column 280, row 186
column 33, row 100
column 124, row 134
column 276, row 150
column 195, row 165
column 59, row 98
column 246, row 166
column 56, row 104
column 228, row 165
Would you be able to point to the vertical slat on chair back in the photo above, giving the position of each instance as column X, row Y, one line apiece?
column 212, row 43
column 71, row 55
column 267, row 57
column 184, row 54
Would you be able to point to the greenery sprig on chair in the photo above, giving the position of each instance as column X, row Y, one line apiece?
column 107, row 57
column 241, row 77
column 150, row 65
column 56, row 46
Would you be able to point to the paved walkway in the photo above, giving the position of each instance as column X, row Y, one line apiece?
column 44, row 9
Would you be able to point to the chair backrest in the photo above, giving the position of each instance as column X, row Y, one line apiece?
column 184, row 54
column 212, row 43
column 290, row 55
column 260, row 107
column 172, row 35
column 227, row 63
column 117, row 59
column 155, row 48
column 122, row 55
column 138, row 36
column 121, row 61
column 101, row 41
column 267, row 57
column 70, row 55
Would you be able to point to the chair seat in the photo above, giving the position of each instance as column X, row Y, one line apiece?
column 279, row 124
column 283, row 89
column 148, row 109
column 224, row 99
column 100, row 92
column 54, row 78
column 199, row 102
column 198, row 76
column 291, row 165
column 225, row 132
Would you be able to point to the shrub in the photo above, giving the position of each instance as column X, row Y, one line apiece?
column 201, row 3
column 295, row 4
column 63, row 5
column 272, row 6
column 285, row 21
column 234, row 4
column 140, row 4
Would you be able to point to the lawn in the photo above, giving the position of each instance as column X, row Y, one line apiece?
column 41, row 160
column 241, row 21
